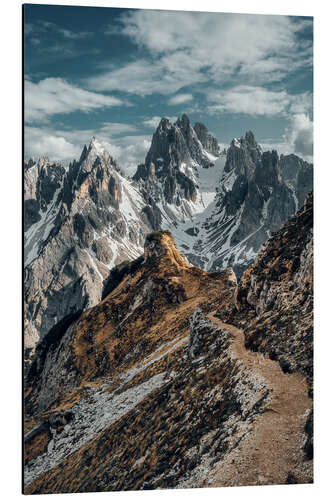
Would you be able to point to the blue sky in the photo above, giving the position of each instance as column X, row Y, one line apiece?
column 114, row 72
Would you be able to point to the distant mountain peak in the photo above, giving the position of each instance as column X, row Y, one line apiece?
column 97, row 146
column 249, row 137
column 183, row 121
column 164, row 124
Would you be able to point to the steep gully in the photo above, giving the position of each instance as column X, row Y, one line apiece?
column 270, row 447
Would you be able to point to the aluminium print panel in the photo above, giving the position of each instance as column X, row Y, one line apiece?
column 168, row 255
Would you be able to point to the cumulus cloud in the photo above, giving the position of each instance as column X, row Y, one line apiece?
column 180, row 99
column 260, row 48
column 300, row 135
column 130, row 151
column 297, row 139
column 152, row 122
column 46, row 142
column 55, row 95
column 257, row 101
column 243, row 38
column 143, row 77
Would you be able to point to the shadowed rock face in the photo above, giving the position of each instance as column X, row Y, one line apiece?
column 274, row 301
column 207, row 140
column 149, row 389
column 41, row 182
column 254, row 198
column 298, row 174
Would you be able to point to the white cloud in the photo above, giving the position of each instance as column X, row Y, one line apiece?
column 44, row 142
column 225, row 38
column 300, row 135
column 257, row 101
column 249, row 100
column 190, row 47
column 113, row 129
column 297, row 139
column 180, row 99
column 55, row 95
column 130, row 151
column 154, row 121
column 144, row 77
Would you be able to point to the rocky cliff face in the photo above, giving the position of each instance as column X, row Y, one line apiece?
column 42, row 181
column 93, row 221
column 298, row 175
column 155, row 388
column 207, row 140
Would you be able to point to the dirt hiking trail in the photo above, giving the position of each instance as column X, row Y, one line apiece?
column 272, row 453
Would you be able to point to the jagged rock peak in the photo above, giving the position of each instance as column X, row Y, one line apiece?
column 246, row 141
column 160, row 246
column 207, row 140
column 94, row 150
column 249, row 138
column 95, row 154
column 29, row 163
column 96, row 146
column 174, row 144
column 183, row 121
column 164, row 124
column 243, row 154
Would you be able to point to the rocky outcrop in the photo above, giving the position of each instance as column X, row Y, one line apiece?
column 137, row 295
column 297, row 174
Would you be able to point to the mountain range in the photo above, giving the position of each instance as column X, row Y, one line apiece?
column 83, row 221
